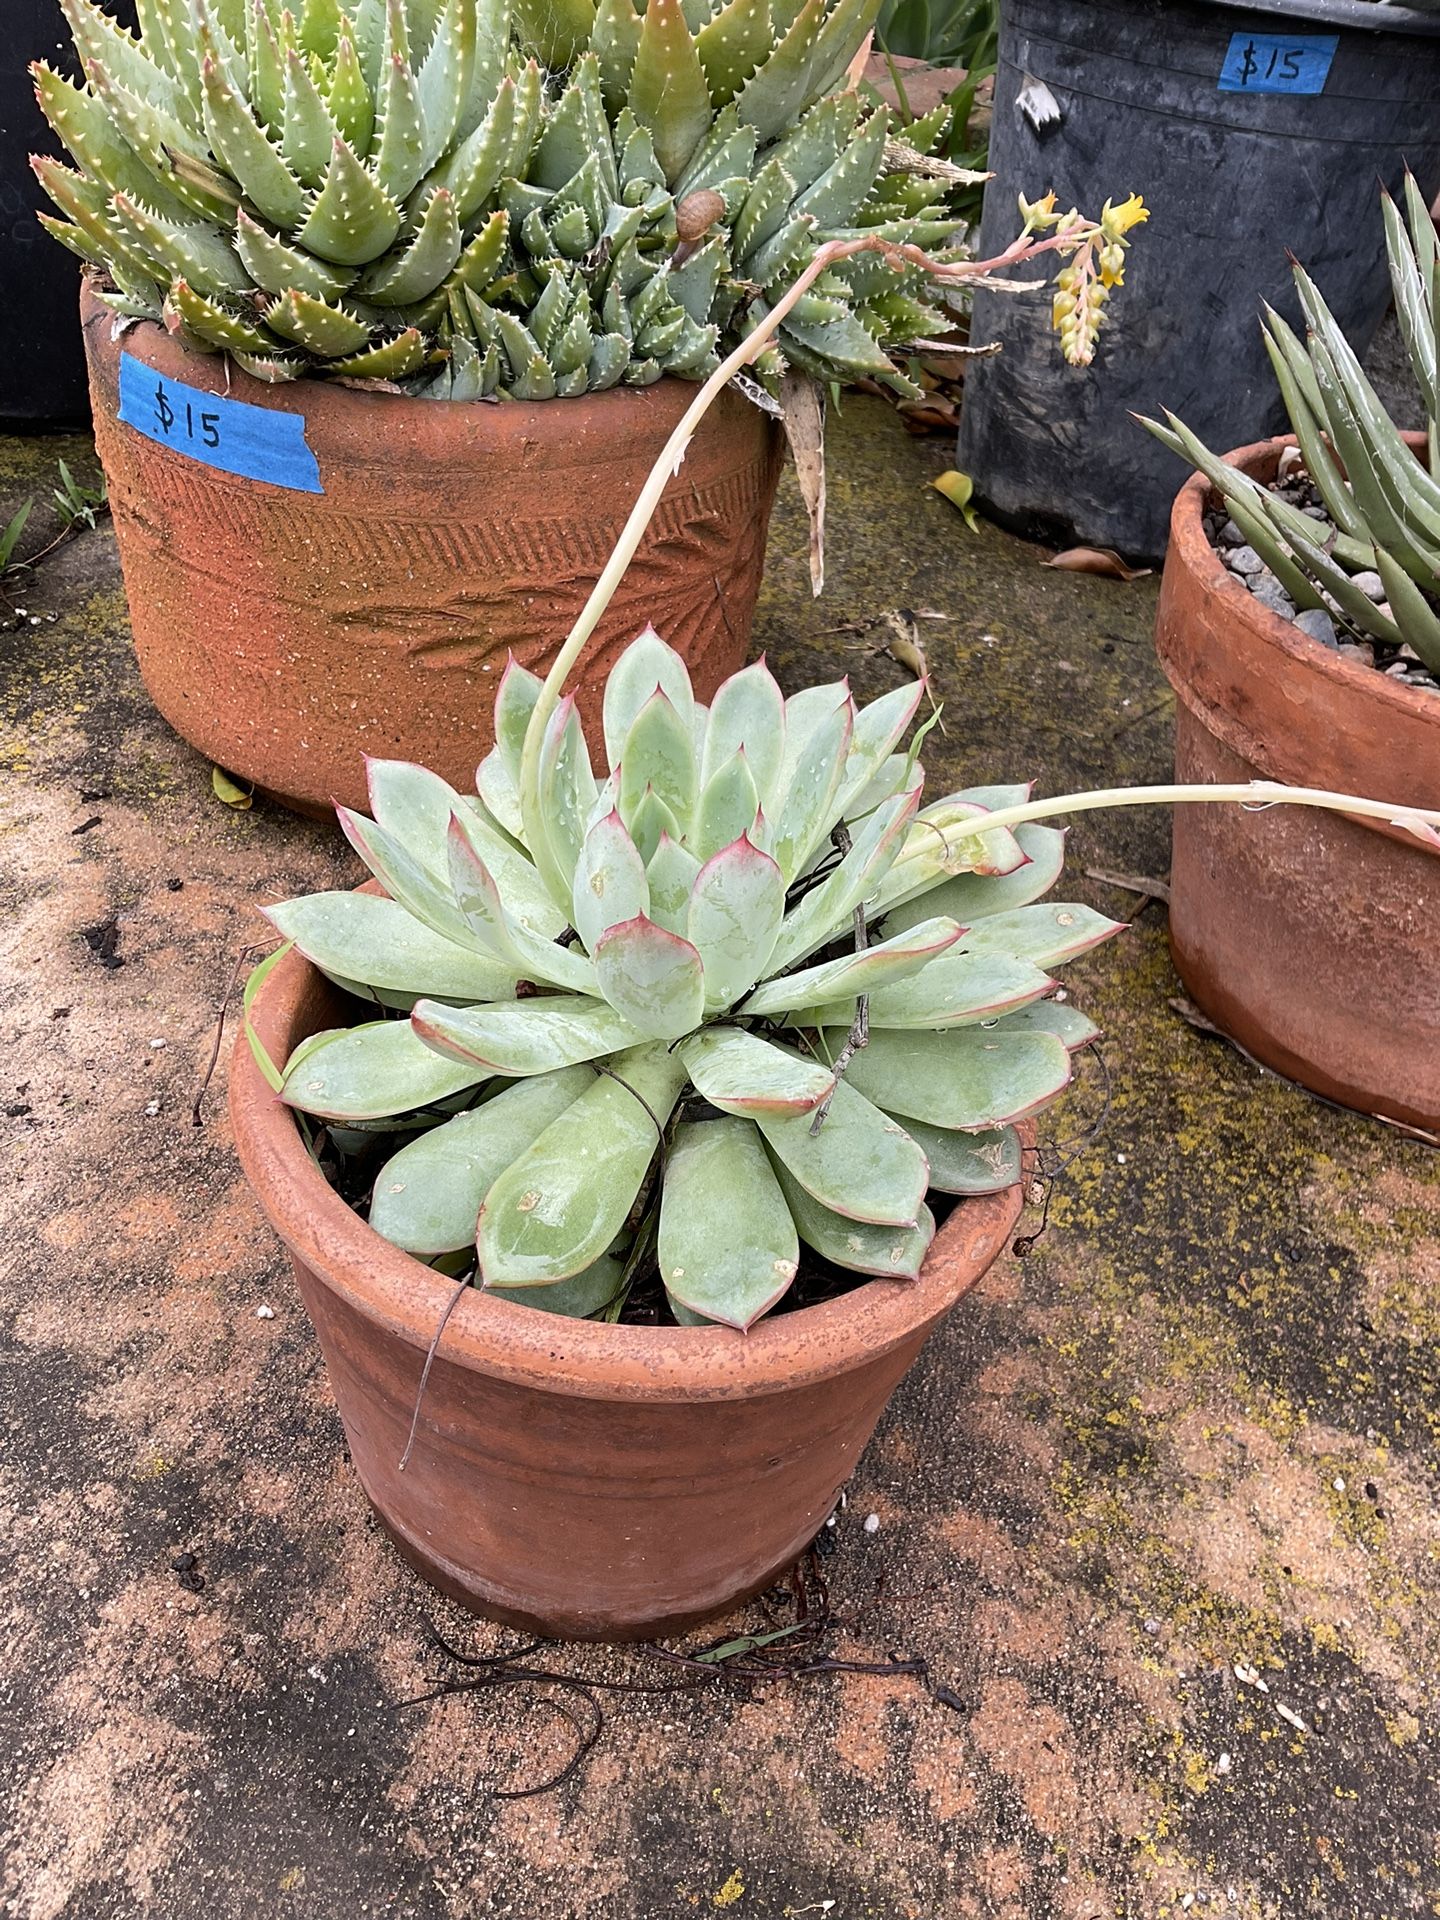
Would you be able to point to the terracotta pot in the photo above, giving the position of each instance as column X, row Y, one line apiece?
column 587, row 1481
column 287, row 633
column 1307, row 936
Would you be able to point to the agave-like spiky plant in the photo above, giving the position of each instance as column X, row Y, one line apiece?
column 467, row 201
column 740, row 993
column 1382, row 502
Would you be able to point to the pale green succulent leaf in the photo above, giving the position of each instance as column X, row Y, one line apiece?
column 970, row 897
column 727, row 807
column 647, row 663
column 367, row 938
column 427, row 1197
column 966, row 1077
column 736, row 905
column 505, row 939
column 969, row 1163
column 897, row 958
column 878, row 729
column 405, row 878
column 728, row 1263
column 861, row 1163
column 1046, row 933
column 957, row 988
column 740, row 1073
column 610, row 882
column 891, row 1252
column 581, row 1297
column 804, row 809
column 1067, row 1023
column 658, row 755
column 559, row 1206
column 748, row 711
column 653, row 978
column 670, row 875
column 826, row 911
column 531, row 1036
column 370, row 1072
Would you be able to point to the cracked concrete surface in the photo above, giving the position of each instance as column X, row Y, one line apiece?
column 1158, row 1504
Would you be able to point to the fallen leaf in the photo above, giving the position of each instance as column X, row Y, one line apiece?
column 929, row 416
column 957, row 488
column 230, row 792
column 1101, row 560
column 802, row 409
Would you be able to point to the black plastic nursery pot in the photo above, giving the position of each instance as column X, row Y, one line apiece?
column 1252, row 132
column 42, row 363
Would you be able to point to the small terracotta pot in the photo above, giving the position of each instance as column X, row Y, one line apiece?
column 586, row 1481
column 286, row 634
column 1308, row 937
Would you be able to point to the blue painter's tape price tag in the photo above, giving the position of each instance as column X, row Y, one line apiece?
column 256, row 443
column 1278, row 62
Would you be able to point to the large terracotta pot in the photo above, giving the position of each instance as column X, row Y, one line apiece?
column 287, row 633
column 1309, row 937
column 576, row 1479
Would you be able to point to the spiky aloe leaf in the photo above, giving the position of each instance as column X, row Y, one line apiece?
column 393, row 359
column 417, row 267
column 219, row 325
column 190, row 251
column 352, row 220
column 729, row 1266
column 427, row 1197
column 772, row 99
column 668, row 93
column 732, row 44
column 561, row 1203
column 322, row 329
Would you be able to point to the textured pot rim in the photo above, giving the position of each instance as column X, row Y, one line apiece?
column 324, row 401
column 1281, row 636
column 580, row 1357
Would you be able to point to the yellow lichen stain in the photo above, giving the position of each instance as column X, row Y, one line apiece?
column 291, row 1880
column 732, row 1891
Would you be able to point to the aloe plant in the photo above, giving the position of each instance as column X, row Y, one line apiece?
column 1381, row 501
column 467, row 199
column 735, row 992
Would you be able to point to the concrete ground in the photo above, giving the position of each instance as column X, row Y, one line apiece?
column 1157, row 1506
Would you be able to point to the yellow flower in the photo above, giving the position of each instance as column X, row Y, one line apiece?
column 1117, row 220
column 1038, row 213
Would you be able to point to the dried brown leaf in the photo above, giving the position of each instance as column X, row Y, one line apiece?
column 1099, row 560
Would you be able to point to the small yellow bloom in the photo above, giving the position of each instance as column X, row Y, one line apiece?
column 1038, row 213
column 1117, row 220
